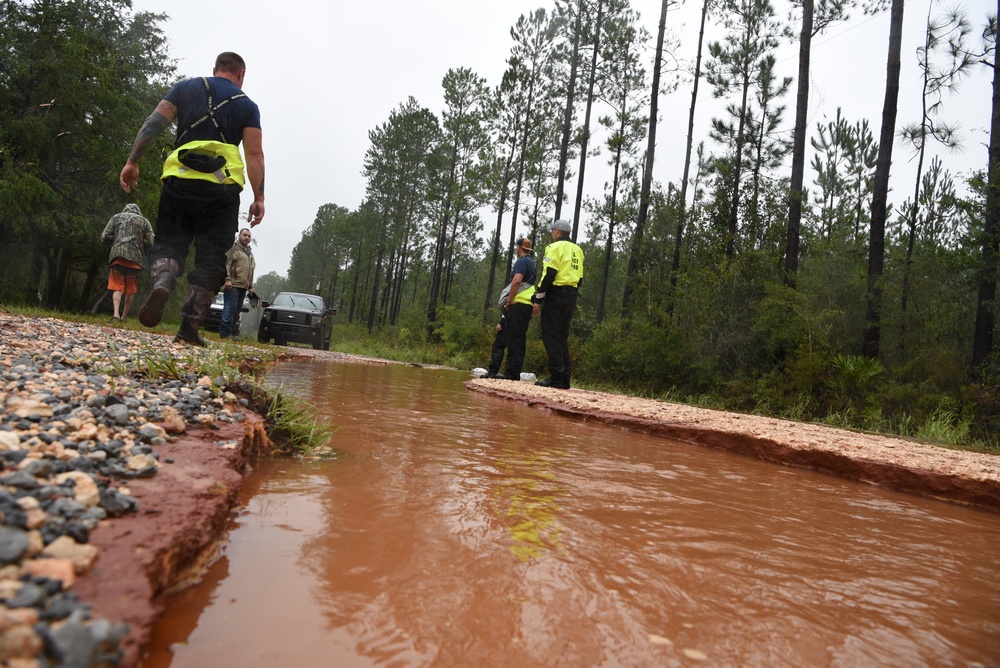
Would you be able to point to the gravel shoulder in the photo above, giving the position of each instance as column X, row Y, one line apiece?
column 956, row 476
column 114, row 486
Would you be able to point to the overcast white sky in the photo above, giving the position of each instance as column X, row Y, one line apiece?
column 324, row 74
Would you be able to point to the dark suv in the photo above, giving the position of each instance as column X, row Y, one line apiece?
column 296, row 317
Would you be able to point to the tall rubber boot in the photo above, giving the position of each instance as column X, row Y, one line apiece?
column 194, row 310
column 164, row 272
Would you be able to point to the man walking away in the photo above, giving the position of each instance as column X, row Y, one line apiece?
column 555, row 299
column 202, row 180
column 240, row 265
column 512, row 330
column 130, row 237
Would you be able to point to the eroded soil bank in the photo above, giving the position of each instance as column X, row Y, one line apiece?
column 166, row 544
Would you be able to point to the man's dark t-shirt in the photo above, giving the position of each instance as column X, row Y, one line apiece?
column 526, row 267
column 191, row 98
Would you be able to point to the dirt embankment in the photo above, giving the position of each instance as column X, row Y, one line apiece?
column 174, row 535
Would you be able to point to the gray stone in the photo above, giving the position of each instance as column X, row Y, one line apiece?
column 66, row 507
column 29, row 595
column 38, row 467
column 118, row 413
column 13, row 544
column 73, row 644
column 20, row 479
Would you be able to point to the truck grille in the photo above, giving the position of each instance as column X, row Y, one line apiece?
column 290, row 318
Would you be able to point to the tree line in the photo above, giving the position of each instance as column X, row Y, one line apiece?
column 757, row 274
column 756, row 277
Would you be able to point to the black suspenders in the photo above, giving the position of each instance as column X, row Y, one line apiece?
column 210, row 115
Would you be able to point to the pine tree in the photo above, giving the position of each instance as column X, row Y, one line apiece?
column 622, row 79
column 752, row 34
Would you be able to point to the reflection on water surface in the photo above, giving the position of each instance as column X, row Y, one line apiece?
column 457, row 529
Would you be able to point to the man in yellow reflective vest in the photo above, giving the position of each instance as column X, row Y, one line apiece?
column 201, row 184
column 555, row 298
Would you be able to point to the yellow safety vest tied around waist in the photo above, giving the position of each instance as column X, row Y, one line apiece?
column 213, row 161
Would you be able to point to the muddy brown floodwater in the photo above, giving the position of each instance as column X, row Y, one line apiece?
column 454, row 528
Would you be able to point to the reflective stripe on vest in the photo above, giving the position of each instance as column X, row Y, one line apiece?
column 232, row 172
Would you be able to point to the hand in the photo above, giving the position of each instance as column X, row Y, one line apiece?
column 229, row 284
column 256, row 213
column 129, row 176
column 536, row 308
column 499, row 326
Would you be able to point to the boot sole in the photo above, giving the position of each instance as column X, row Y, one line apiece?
column 152, row 311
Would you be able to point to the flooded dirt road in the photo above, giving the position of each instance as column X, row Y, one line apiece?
column 458, row 529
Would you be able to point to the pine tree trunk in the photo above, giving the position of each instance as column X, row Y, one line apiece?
column 568, row 115
column 647, row 172
column 799, row 147
column 734, row 209
column 585, row 140
column 880, row 195
column 679, row 236
column 982, row 345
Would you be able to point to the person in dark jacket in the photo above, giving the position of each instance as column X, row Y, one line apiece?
column 130, row 237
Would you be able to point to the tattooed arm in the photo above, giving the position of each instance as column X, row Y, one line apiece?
column 155, row 123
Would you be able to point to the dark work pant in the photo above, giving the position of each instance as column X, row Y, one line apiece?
column 513, row 338
column 203, row 213
column 557, row 311
column 232, row 304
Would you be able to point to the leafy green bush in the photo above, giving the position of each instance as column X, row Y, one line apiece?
column 461, row 334
column 636, row 355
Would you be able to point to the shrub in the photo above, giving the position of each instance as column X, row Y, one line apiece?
column 636, row 355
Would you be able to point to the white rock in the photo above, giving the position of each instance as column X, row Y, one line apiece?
column 85, row 491
column 9, row 440
column 64, row 547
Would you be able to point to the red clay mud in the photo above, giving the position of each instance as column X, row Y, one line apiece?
column 182, row 515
